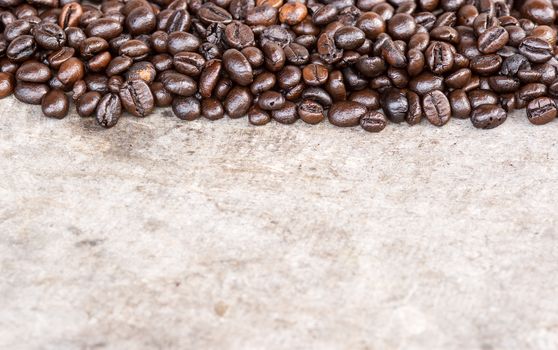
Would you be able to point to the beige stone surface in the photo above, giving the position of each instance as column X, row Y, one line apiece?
column 163, row 234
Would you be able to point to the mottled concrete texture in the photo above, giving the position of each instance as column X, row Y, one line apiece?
column 163, row 234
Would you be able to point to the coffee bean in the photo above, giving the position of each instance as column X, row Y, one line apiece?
column 414, row 114
column 535, row 49
column 33, row 72
column 7, row 84
column 30, row 93
column 87, row 103
column 373, row 121
column 136, row 97
column 493, row 39
column 21, row 48
column 238, row 102
column 439, row 57
column 346, row 113
column 310, row 112
column 488, row 116
column 541, row 110
column 459, row 103
column 436, row 108
column 211, row 13
column 287, row 114
column 179, row 84
column 349, row 37
column 109, row 110
column 186, row 108
column 238, row 67
column 55, row 104
column 257, row 116
column 212, row 109
column 479, row 97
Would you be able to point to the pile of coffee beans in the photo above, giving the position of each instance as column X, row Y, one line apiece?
column 356, row 62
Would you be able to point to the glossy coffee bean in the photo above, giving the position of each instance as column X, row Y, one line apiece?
column 55, row 104
column 30, row 93
column 459, row 103
column 137, row 98
column 287, row 114
column 238, row 67
column 541, row 110
column 238, row 102
column 186, row 108
column 7, row 84
column 271, row 100
column 257, row 116
column 436, row 108
column 346, row 113
column 179, row 84
column 395, row 105
column 86, row 104
column 33, row 72
column 488, row 116
column 109, row 110
column 414, row 113
column 536, row 50
column 373, row 121
column 212, row 109
column 310, row 112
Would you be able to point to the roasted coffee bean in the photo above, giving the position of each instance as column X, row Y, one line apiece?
column 458, row 79
column 535, row 49
column 346, row 113
column 436, row 108
column 274, row 56
column 141, row 20
column 401, row 26
column 109, row 110
column 315, row 74
column 209, row 77
column 115, row 83
column 238, row 67
column 189, row 63
column 287, row 114
column 271, row 100
column 289, row 77
column 310, row 112
column 33, row 72
column 7, row 83
column 105, row 28
column 541, row 110
column 459, row 103
column 212, row 109
column 21, row 48
column 70, row 15
column 87, row 103
column 136, row 97
column 482, row 97
column 317, row 94
column 439, row 57
column 49, row 36
column 503, row 84
column 488, row 116
column 486, row 64
column 368, row 98
column 257, row 116
column 425, row 83
column 30, row 93
column 238, row 102
column 55, row 104
column 186, row 108
column 178, row 84
column 211, row 13
column 414, row 114
column 531, row 91
column 373, row 121
column 349, row 37
column 71, row 71
column 327, row 49
column 395, row 105
column 493, row 39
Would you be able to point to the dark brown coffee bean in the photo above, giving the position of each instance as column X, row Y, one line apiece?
column 271, row 100
column 458, row 79
column 71, row 71
column 212, row 109
column 327, row 49
column 349, row 37
column 189, row 63
column 238, row 101
column 503, row 84
column 315, row 74
column 436, row 108
column 493, row 39
column 535, row 49
column 238, row 35
column 179, row 84
column 33, row 72
column 289, row 77
column 21, row 48
column 87, row 103
column 439, row 57
column 109, row 110
column 486, row 64
column 414, row 114
column 401, row 26
column 392, row 54
column 209, row 77
column 118, row 65
column 482, row 97
column 274, row 56
column 115, row 83
column 541, row 110
column 186, row 108
column 425, row 83
column 459, row 103
column 211, row 13
column 238, row 67
column 287, row 114
column 55, row 104
column 531, row 91
column 30, row 93
column 49, row 36
column 368, row 98
column 257, row 116
column 346, row 113
column 141, row 20
column 136, row 97
column 70, row 15
column 373, row 121
column 99, row 63
column 7, row 83
column 372, row 24
column 92, row 46
column 310, row 112
column 135, row 49
column 488, row 116
column 181, row 41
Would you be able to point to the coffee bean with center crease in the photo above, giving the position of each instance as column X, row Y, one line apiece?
column 211, row 13
column 541, row 110
column 346, row 113
column 109, row 110
column 70, row 15
column 71, row 71
column 55, row 104
column 238, row 67
column 488, row 116
column 310, row 112
column 238, row 35
column 136, row 97
column 373, row 121
column 49, row 36
column 21, row 48
column 439, row 57
column 186, row 108
column 436, row 108
column 535, row 49
column 493, row 39
column 395, row 104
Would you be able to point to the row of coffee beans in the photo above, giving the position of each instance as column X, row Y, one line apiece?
column 269, row 59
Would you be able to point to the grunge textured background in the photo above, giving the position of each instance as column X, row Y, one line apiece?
column 164, row 234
